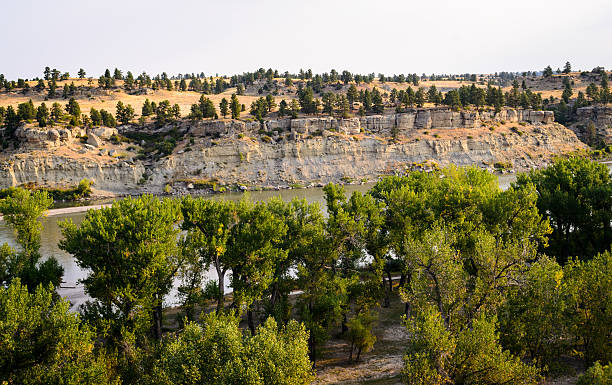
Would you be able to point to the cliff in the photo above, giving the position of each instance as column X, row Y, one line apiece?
column 594, row 122
column 281, row 152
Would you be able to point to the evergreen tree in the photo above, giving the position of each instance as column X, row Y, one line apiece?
column 568, row 68
column 235, row 107
column 82, row 73
column 42, row 115
column 147, row 108
column 223, row 107
column 117, row 74
column 95, row 116
column 123, row 113
column 352, row 95
column 548, row 72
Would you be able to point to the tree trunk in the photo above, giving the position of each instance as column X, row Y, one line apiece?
column 312, row 350
column 250, row 321
column 344, row 326
column 157, row 320
column 221, row 288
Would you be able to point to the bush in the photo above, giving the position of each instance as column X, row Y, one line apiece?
column 597, row 375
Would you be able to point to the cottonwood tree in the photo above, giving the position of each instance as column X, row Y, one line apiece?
column 218, row 352
column 43, row 342
column 132, row 257
column 208, row 224
column 22, row 210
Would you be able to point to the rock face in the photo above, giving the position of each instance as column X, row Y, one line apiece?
column 336, row 157
column 599, row 118
column 308, row 150
column 33, row 138
column 118, row 177
column 426, row 118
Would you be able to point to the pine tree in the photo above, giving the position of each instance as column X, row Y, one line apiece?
column 235, row 107
column 82, row 73
column 223, row 107
column 548, row 72
column 147, row 108
column 42, row 115
column 568, row 68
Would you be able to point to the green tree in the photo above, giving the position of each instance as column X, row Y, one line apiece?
column 589, row 305
column 208, row 224
column 575, row 194
column 42, row 115
column 22, row 210
column 219, row 353
column 253, row 249
column 548, row 72
column 147, row 108
column 567, row 68
column 473, row 355
column 132, row 257
column 43, row 342
column 124, row 113
column 235, row 107
column 81, row 73
column 596, row 375
column 223, row 107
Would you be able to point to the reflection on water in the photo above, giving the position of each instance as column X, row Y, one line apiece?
column 71, row 288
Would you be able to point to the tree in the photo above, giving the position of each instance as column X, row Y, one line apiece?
column 548, row 72
column 124, row 113
column 223, row 107
column 56, row 112
column 589, row 305
column 73, row 108
column 596, row 375
column 22, row 210
column 82, row 73
column 131, row 254
column 95, row 116
column 42, row 115
column 43, row 342
column 532, row 321
column 219, row 353
column 575, row 194
column 235, row 107
column 117, row 75
column 567, row 68
column 437, row 356
column 352, row 95
column 208, row 224
column 377, row 101
column 253, row 249
column 328, row 103
column 147, row 108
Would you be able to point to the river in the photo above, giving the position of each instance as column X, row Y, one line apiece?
column 73, row 290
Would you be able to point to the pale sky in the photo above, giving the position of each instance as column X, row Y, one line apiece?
column 235, row 36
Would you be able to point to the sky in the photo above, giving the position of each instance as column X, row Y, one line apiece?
column 236, row 36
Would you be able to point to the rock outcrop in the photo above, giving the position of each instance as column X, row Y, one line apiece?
column 594, row 123
column 280, row 152
column 331, row 158
column 425, row 118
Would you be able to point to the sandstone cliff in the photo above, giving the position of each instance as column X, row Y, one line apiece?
column 594, row 121
column 285, row 151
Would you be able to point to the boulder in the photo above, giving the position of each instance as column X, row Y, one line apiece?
column 93, row 140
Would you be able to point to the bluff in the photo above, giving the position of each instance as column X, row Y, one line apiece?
column 594, row 122
column 281, row 152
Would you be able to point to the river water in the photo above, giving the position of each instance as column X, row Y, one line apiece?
column 73, row 290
